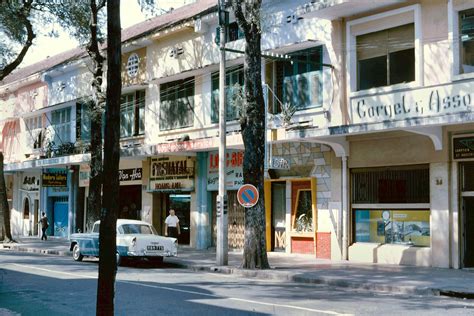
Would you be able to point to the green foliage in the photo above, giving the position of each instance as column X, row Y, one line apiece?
column 75, row 18
column 12, row 30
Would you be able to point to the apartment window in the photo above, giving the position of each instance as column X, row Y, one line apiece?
column 235, row 33
column 132, row 114
column 234, row 81
column 387, row 202
column 34, row 128
column 299, row 82
column 466, row 31
column 177, row 104
column 61, row 123
column 386, row 57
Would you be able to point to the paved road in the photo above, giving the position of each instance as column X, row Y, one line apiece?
column 49, row 285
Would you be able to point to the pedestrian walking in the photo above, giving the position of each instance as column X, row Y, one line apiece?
column 172, row 225
column 44, row 226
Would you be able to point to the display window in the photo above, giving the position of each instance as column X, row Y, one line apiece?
column 390, row 205
column 406, row 227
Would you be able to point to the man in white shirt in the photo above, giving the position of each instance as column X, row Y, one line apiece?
column 172, row 225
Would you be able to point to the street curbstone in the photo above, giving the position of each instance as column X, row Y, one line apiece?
column 285, row 276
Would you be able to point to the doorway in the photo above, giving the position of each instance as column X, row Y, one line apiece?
column 181, row 204
column 60, row 215
column 467, row 216
column 35, row 217
column 278, row 212
column 468, row 231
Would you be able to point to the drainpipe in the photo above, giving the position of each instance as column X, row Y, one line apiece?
column 345, row 213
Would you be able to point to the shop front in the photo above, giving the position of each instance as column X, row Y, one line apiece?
column 30, row 201
column 297, row 196
column 234, row 179
column 57, row 189
column 463, row 155
column 399, row 200
column 130, row 191
column 171, row 183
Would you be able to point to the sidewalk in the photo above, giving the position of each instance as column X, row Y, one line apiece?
column 305, row 269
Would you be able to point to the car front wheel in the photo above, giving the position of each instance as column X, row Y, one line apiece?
column 76, row 253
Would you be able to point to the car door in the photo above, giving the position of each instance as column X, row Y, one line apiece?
column 94, row 241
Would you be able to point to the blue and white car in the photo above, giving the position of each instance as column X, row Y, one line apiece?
column 135, row 240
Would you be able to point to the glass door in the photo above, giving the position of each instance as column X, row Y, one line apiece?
column 278, row 216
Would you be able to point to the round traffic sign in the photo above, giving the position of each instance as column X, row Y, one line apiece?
column 247, row 195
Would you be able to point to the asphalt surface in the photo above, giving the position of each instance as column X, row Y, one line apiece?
column 32, row 284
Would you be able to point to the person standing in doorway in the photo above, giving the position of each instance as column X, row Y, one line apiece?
column 172, row 225
column 44, row 226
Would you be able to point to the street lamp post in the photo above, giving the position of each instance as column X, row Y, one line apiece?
column 222, row 229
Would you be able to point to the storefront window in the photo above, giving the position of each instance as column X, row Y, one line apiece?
column 466, row 24
column 304, row 212
column 407, row 227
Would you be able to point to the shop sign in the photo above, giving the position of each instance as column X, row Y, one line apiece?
column 54, row 179
column 30, row 183
column 134, row 174
column 414, row 103
column 171, row 173
column 234, row 170
column 463, row 147
column 126, row 176
column 279, row 163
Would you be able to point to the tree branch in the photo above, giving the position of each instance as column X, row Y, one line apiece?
column 240, row 17
column 23, row 14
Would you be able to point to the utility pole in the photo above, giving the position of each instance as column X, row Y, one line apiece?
column 222, row 227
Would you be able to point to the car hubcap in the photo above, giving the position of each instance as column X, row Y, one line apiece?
column 76, row 252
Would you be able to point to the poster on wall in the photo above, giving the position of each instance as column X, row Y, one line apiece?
column 172, row 173
column 54, row 179
column 234, row 170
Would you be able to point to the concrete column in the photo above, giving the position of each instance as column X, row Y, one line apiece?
column 345, row 212
column 439, row 221
column 203, row 207
column 454, row 222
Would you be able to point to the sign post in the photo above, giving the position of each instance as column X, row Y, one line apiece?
column 222, row 238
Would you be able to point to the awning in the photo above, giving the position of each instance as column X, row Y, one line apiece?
column 9, row 139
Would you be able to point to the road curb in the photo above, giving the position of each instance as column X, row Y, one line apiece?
column 296, row 277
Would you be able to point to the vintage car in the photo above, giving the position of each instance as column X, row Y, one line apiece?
column 135, row 240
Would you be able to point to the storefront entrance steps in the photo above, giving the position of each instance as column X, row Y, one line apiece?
column 303, row 269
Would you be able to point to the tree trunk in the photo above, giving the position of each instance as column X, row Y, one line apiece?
column 95, row 109
column 108, row 217
column 5, row 230
column 253, row 134
column 22, row 15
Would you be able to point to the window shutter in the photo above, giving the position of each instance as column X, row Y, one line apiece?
column 401, row 38
column 372, row 45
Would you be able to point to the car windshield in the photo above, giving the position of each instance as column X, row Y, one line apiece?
column 137, row 229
